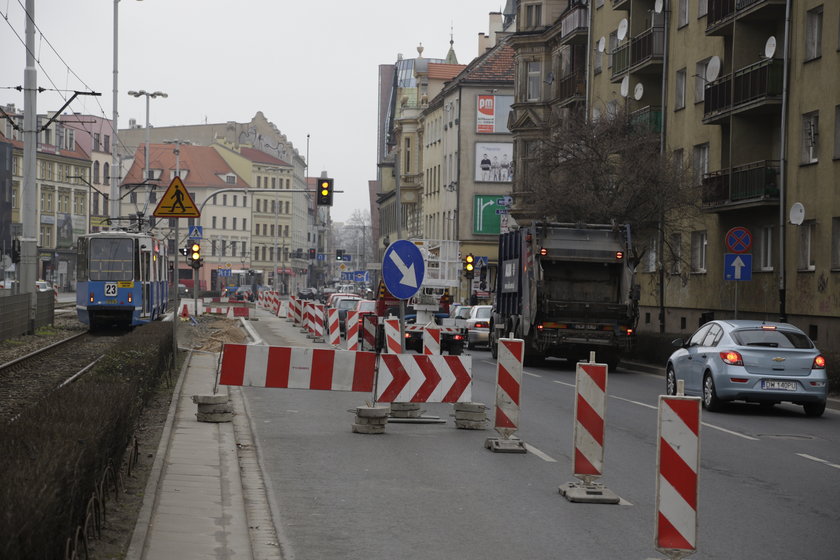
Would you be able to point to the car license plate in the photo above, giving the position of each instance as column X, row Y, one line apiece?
column 776, row 385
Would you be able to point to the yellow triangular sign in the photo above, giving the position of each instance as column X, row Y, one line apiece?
column 176, row 202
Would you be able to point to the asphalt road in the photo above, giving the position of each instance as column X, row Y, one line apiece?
column 769, row 479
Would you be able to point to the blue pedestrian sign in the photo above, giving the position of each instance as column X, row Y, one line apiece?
column 196, row 232
column 361, row 276
column 403, row 269
column 737, row 266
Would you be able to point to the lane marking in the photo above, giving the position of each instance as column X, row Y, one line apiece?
column 635, row 402
column 531, row 374
column 572, row 385
column 531, row 449
column 818, row 460
column 730, row 432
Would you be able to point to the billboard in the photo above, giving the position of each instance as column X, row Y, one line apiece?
column 494, row 162
column 491, row 113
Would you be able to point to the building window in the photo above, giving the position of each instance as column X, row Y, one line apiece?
column 810, row 137
column 45, row 238
column 702, row 8
column 700, row 81
column 682, row 13
column 234, row 223
column 675, row 251
column 679, row 91
column 813, row 33
column 533, row 15
column 235, row 198
column 107, row 142
column 287, row 207
column 766, row 249
column 835, row 243
column 233, row 248
column 649, row 262
column 224, row 222
column 106, row 172
column 612, row 45
column 807, row 237
column 96, row 141
column 534, row 79
column 96, row 172
column 230, row 179
column 700, row 163
column 224, row 200
column 698, row 252
column 245, row 224
column 214, row 222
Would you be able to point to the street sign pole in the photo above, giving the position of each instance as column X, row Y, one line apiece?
column 175, row 283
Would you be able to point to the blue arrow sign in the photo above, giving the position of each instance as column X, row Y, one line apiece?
column 737, row 266
column 403, row 269
column 196, row 232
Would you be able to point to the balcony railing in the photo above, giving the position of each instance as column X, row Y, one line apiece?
column 719, row 11
column 575, row 20
column 648, row 45
column 759, row 81
column 571, row 86
column 650, row 117
column 752, row 182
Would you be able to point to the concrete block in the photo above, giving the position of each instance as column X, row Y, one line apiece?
column 368, row 429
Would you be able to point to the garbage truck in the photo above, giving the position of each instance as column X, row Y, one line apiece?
column 566, row 289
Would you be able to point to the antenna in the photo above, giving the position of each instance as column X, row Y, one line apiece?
column 602, row 44
column 770, row 47
column 622, row 29
column 658, row 6
column 625, row 86
column 797, row 213
column 638, row 91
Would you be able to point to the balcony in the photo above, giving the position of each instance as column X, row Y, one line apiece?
column 748, row 185
column 649, row 117
column 723, row 13
column 574, row 25
column 720, row 16
column 570, row 88
column 755, row 88
column 640, row 53
column 621, row 4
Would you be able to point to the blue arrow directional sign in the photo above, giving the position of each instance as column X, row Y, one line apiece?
column 737, row 266
column 403, row 269
column 196, row 232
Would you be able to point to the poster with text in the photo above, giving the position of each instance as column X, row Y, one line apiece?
column 491, row 113
column 494, row 162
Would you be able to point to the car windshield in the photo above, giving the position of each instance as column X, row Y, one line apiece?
column 463, row 313
column 773, row 338
column 483, row 312
column 347, row 303
column 367, row 306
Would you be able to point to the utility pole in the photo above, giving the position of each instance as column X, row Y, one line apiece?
column 27, row 273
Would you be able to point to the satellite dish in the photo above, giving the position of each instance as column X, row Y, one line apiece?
column 639, row 91
column 713, row 69
column 770, row 47
column 625, row 86
column 658, row 6
column 797, row 213
column 622, row 29
column 602, row 44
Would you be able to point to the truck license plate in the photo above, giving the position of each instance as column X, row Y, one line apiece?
column 776, row 385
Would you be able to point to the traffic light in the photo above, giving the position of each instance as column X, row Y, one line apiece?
column 184, row 251
column 194, row 258
column 15, row 250
column 312, row 254
column 339, row 254
column 469, row 266
column 325, row 192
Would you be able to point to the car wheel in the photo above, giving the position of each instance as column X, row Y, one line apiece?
column 670, row 381
column 711, row 402
column 814, row 409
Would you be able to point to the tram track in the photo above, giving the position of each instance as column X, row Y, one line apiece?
column 26, row 380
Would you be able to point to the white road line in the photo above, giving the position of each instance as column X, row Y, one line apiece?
column 564, row 383
column 531, row 449
column 730, row 432
column 635, row 402
column 531, row 374
column 818, row 460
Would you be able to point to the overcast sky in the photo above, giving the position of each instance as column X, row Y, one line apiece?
column 309, row 65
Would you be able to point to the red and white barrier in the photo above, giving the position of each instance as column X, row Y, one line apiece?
column 369, row 324
column 333, row 330
column 590, row 409
column 224, row 311
column 393, row 342
column 511, row 353
column 351, row 329
column 294, row 310
column 420, row 378
column 297, row 368
column 318, row 321
column 242, row 312
column 431, row 340
column 678, row 462
column 306, row 323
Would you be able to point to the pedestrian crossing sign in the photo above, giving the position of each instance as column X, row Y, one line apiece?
column 176, row 202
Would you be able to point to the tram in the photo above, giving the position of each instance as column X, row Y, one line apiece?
column 122, row 279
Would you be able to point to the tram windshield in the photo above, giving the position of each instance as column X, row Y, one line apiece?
column 111, row 259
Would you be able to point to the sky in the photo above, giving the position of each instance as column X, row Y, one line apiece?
column 311, row 66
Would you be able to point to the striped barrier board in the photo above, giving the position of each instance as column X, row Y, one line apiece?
column 393, row 342
column 590, row 409
column 677, row 462
column 420, row 378
column 318, row 312
column 297, row 368
column 368, row 334
column 431, row 340
column 511, row 353
column 333, row 331
column 352, row 323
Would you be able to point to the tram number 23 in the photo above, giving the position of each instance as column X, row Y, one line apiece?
column 110, row 289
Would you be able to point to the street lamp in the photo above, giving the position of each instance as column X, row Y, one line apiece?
column 148, row 95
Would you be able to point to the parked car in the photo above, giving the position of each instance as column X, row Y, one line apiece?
column 183, row 291
column 478, row 325
column 335, row 296
column 308, row 293
column 363, row 307
column 753, row 361
column 42, row 286
column 344, row 304
column 460, row 311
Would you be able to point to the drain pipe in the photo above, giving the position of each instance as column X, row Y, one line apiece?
column 783, row 166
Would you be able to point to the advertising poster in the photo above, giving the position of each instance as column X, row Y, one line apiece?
column 494, row 162
column 492, row 113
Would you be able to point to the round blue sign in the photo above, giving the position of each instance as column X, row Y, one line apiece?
column 403, row 269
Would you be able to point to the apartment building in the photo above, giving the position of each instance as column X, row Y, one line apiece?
column 746, row 95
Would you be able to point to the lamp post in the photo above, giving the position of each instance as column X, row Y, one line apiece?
column 148, row 96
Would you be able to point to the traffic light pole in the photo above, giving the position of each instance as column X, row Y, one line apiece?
column 176, row 274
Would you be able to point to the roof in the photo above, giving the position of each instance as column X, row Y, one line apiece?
column 258, row 156
column 44, row 149
column 496, row 65
column 445, row 71
column 206, row 167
